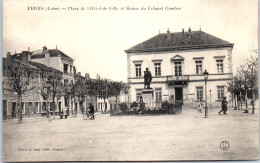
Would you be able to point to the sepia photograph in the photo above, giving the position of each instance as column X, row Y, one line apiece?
column 129, row 80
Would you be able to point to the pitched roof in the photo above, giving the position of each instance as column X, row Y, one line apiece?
column 53, row 53
column 33, row 65
column 42, row 66
column 13, row 59
column 180, row 41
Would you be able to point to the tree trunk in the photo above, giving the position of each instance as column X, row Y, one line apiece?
column 53, row 109
column 105, row 105
column 96, row 104
column 81, row 107
column 241, row 101
column 246, row 99
column 253, row 102
column 19, row 112
column 236, row 102
column 47, row 109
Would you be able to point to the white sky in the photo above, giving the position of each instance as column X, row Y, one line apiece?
column 97, row 39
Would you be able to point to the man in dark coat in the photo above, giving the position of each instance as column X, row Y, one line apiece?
column 147, row 78
column 92, row 110
column 224, row 106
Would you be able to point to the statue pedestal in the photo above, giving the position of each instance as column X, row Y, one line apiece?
column 147, row 95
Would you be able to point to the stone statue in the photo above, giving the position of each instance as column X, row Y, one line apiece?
column 147, row 78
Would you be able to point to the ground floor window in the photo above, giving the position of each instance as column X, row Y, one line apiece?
column 199, row 93
column 37, row 107
column 44, row 106
column 220, row 90
column 23, row 107
column 158, row 96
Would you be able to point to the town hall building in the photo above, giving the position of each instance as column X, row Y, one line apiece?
column 177, row 62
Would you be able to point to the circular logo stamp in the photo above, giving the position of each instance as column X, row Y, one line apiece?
column 224, row 145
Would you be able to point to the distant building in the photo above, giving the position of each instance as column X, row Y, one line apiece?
column 177, row 62
column 32, row 102
column 57, row 59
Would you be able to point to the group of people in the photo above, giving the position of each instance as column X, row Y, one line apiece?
column 223, row 106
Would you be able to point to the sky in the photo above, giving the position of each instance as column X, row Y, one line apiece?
column 96, row 39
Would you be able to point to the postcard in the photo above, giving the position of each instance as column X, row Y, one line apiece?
column 130, row 80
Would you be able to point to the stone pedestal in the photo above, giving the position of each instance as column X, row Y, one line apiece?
column 148, row 99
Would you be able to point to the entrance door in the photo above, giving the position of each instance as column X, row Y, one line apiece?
column 59, row 107
column 4, row 109
column 178, row 94
column 29, row 109
column 13, row 109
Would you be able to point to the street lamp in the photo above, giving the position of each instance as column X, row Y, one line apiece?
column 210, row 98
column 206, row 74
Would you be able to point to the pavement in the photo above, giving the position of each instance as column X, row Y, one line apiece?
column 186, row 136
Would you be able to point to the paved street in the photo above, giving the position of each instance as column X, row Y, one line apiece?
column 187, row 136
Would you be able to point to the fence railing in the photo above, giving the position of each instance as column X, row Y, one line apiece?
column 140, row 108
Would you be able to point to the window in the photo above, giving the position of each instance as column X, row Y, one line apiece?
column 44, row 106
column 220, row 92
column 66, row 101
column 65, row 68
column 198, row 67
column 177, row 67
column 158, row 94
column 52, row 105
column 23, row 107
column 66, row 82
column 138, row 94
column 220, row 65
column 37, row 107
column 138, row 70
column 70, row 69
column 157, row 69
column 199, row 93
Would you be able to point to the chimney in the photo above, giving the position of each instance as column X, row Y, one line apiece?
column 182, row 31
column 168, row 35
column 87, row 76
column 47, row 58
column 8, row 55
column 79, row 73
column 168, row 31
column 29, row 54
column 189, row 30
column 44, row 48
column 24, row 57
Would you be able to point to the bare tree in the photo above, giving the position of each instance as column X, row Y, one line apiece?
column 79, row 90
column 245, row 82
column 19, row 77
column 49, row 86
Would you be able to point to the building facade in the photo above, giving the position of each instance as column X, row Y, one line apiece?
column 58, row 60
column 177, row 62
column 32, row 102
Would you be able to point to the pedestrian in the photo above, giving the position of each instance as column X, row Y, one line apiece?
column 223, row 106
column 200, row 107
column 91, row 108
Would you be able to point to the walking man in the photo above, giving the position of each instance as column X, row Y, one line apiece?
column 91, row 108
column 224, row 106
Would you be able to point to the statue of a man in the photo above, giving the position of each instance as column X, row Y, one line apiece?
column 147, row 78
